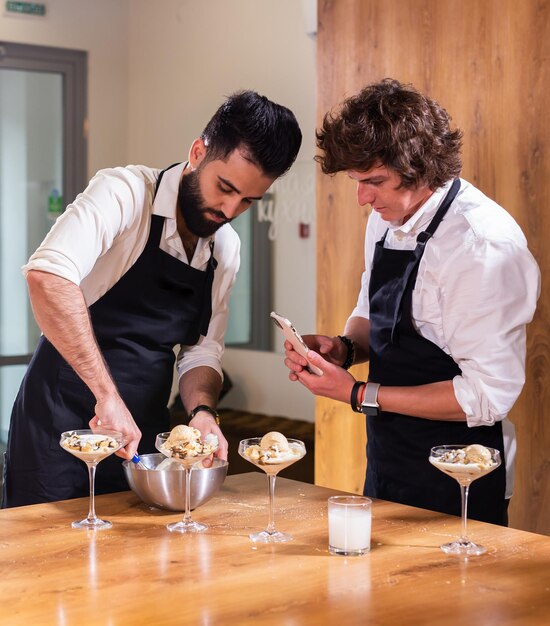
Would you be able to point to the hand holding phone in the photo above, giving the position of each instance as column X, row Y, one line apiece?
column 292, row 335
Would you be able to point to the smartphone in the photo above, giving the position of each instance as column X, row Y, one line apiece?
column 292, row 335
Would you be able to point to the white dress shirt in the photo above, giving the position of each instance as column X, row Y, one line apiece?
column 104, row 231
column 476, row 289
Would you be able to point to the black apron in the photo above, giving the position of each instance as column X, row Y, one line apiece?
column 158, row 303
column 398, row 446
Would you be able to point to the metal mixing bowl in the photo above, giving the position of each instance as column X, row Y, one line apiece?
column 165, row 488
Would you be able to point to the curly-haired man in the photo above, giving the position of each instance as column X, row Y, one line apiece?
column 448, row 288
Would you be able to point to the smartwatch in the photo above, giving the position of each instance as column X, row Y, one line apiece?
column 370, row 406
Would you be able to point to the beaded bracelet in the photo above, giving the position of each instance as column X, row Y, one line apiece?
column 350, row 356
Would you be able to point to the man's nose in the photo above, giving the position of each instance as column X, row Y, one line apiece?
column 231, row 207
column 364, row 195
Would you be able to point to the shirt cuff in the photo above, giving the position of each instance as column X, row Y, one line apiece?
column 186, row 365
column 475, row 407
column 50, row 267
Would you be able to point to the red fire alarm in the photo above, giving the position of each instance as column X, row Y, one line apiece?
column 304, row 230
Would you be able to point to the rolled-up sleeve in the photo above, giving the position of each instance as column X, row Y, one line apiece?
column 111, row 203
column 475, row 292
column 487, row 299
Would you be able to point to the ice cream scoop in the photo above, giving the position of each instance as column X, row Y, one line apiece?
column 274, row 440
column 184, row 442
column 477, row 453
column 136, row 460
column 181, row 434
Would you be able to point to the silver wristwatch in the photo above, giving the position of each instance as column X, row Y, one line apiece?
column 370, row 406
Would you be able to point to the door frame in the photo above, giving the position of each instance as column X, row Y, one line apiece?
column 72, row 65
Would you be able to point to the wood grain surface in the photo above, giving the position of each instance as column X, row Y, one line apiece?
column 488, row 64
column 139, row 573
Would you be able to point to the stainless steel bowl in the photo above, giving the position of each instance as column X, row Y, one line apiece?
column 165, row 488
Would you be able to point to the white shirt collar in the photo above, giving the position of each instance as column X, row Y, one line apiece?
column 165, row 203
column 419, row 220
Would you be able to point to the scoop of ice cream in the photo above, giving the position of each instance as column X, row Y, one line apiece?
column 274, row 440
column 182, row 434
column 477, row 453
column 274, row 449
column 184, row 442
column 253, row 452
column 472, row 459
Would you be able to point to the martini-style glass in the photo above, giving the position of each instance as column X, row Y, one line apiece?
column 91, row 446
column 187, row 525
column 272, row 467
column 450, row 460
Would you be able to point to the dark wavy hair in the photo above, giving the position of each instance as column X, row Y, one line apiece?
column 394, row 125
column 267, row 132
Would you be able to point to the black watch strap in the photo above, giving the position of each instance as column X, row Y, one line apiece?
column 208, row 409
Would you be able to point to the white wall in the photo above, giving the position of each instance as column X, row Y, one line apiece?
column 99, row 27
column 157, row 71
column 186, row 56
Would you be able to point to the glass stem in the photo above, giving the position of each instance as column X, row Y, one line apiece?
column 91, row 475
column 464, row 495
column 271, row 486
column 187, row 515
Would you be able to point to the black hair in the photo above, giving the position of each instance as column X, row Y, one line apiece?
column 268, row 133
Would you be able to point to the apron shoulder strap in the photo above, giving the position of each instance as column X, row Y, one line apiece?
column 421, row 241
column 425, row 235
column 157, row 184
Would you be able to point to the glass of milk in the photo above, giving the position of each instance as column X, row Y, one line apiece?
column 349, row 525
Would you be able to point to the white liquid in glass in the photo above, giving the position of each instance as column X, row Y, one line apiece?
column 349, row 528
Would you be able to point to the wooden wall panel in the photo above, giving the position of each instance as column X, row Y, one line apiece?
column 488, row 63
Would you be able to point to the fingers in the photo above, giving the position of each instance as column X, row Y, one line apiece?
column 130, row 448
column 207, row 462
column 205, row 423
column 295, row 362
column 128, row 451
column 315, row 358
column 298, row 364
column 288, row 346
column 221, row 452
column 134, row 438
column 129, row 430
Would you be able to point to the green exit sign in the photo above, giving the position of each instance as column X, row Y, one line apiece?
column 26, row 8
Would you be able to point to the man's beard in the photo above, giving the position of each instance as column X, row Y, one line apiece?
column 193, row 210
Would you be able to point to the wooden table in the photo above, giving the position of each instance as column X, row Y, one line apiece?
column 139, row 573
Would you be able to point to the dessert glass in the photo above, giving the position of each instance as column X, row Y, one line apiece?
column 187, row 525
column 92, row 458
column 464, row 475
column 271, row 534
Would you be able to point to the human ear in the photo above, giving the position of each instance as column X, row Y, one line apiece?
column 197, row 153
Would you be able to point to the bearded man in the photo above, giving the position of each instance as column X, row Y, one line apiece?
column 141, row 262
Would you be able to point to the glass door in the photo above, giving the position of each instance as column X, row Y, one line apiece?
column 37, row 140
